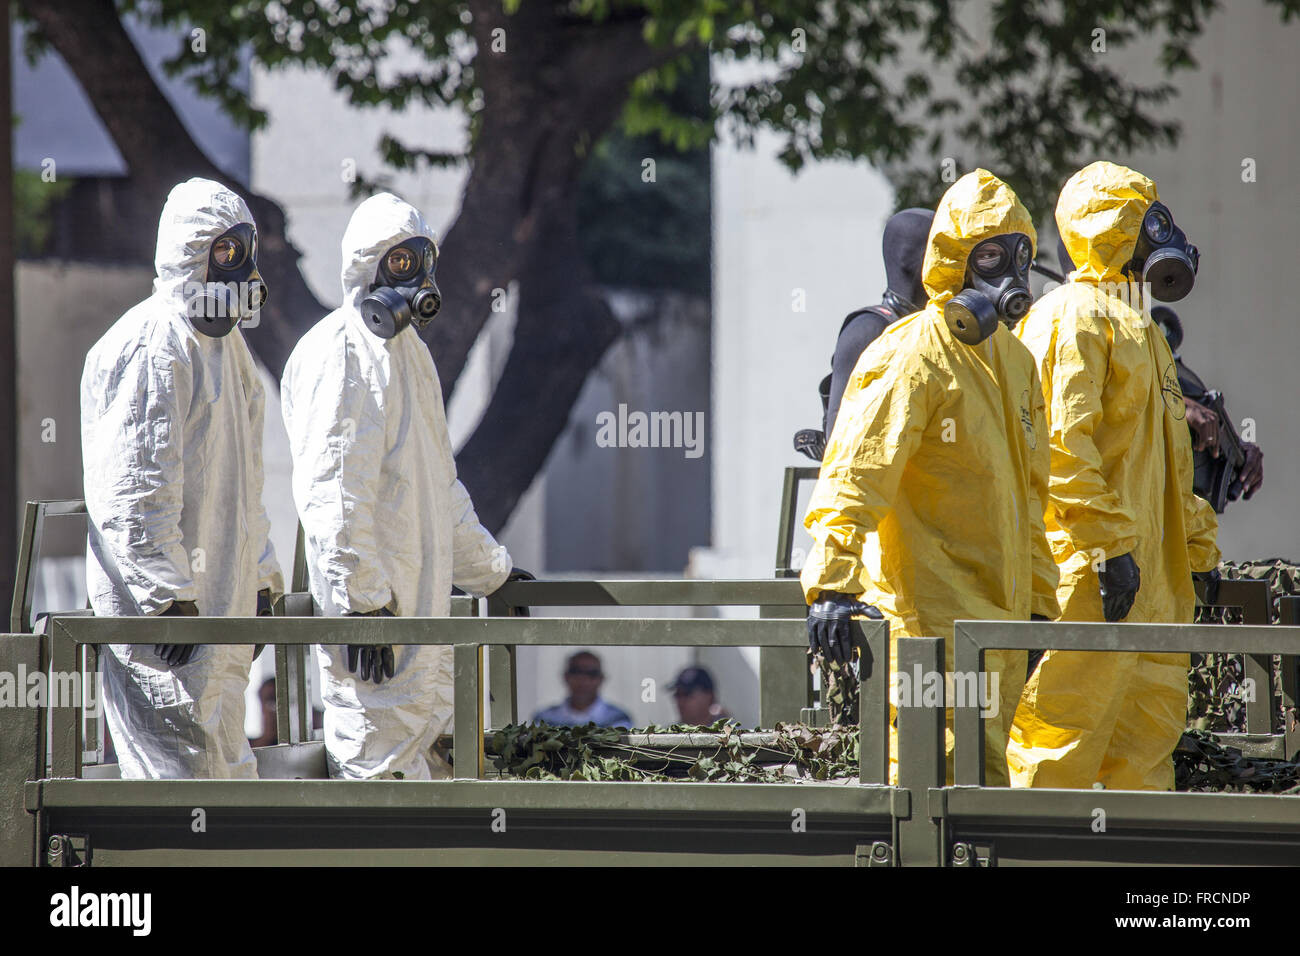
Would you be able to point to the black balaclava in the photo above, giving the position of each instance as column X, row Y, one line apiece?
column 1171, row 325
column 903, row 246
column 1063, row 257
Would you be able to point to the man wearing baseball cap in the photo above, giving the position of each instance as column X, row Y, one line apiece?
column 697, row 702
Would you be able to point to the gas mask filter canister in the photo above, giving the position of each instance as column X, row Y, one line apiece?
column 403, row 292
column 1163, row 257
column 997, row 288
column 232, row 288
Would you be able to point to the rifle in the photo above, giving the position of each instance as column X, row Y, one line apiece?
column 1218, row 480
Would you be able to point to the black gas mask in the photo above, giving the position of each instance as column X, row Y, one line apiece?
column 232, row 289
column 1163, row 257
column 997, row 288
column 403, row 291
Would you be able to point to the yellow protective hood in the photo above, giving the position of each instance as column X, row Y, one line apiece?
column 975, row 207
column 1099, row 214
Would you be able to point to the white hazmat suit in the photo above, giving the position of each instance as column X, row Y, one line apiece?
column 171, row 439
column 387, row 523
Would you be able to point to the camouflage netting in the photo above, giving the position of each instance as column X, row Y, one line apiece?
column 795, row 752
column 790, row 752
column 1216, row 703
column 840, row 688
column 1216, row 698
column 1202, row 764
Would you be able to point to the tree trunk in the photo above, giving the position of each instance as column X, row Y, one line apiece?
column 159, row 152
column 563, row 330
column 543, row 112
column 549, row 97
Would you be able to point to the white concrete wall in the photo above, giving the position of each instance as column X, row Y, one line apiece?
column 1242, row 336
column 792, row 255
column 819, row 231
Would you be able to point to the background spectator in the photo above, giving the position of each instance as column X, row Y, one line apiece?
column 266, row 694
column 583, row 676
column 697, row 702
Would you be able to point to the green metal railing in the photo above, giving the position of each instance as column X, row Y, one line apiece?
column 784, row 679
column 1254, row 599
column 920, row 821
column 29, row 550
column 785, row 683
column 972, row 638
column 789, row 518
column 469, row 636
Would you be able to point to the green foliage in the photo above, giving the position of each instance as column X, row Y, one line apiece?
column 798, row 752
column 1216, row 691
column 350, row 40
column 653, row 234
column 904, row 84
column 589, row 752
column 649, row 235
column 33, row 198
column 1216, row 699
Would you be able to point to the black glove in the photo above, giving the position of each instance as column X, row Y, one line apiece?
column 264, row 609
column 1210, row 579
column 1035, row 656
column 178, row 655
column 830, row 624
column 1119, row 579
column 519, row 574
column 810, row 442
column 372, row 661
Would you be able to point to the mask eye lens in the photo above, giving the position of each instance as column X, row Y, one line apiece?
column 1158, row 225
column 1023, row 254
column 402, row 263
column 428, row 259
column 989, row 258
column 227, row 252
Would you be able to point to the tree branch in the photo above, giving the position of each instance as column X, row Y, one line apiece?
column 541, row 106
column 160, row 152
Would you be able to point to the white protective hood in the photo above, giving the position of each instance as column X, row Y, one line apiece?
column 171, row 432
column 197, row 211
column 387, row 522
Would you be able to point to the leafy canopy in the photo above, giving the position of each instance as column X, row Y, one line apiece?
column 1019, row 86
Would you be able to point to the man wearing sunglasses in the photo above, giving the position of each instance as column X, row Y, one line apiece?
column 1126, row 528
column 388, row 526
column 583, row 705
column 171, row 438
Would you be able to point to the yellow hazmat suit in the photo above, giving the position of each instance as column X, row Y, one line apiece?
column 929, row 502
column 1121, row 484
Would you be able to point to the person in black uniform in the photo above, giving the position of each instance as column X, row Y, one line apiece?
column 904, row 248
column 1221, row 474
column 1226, row 466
